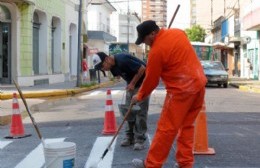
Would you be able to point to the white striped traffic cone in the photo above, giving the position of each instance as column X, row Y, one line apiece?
column 110, row 119
column 17, row 128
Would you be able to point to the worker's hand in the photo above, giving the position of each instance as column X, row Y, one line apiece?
column 134, row 99
column 130, row 87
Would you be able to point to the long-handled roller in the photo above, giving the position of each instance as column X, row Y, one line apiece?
column 174, row 15
column 29, row 112
column 119, row 128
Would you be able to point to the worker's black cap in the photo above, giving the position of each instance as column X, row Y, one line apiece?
column 144, row 29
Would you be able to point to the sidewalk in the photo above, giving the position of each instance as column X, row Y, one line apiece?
column 49, row 90
column 39, row 93
column 247, row 85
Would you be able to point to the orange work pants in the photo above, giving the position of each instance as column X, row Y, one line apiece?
column 177, row 119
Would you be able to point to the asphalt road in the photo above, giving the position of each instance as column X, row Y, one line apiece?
column 233, row 119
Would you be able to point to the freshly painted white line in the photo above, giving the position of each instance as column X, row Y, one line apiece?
column 4, row 143
column 114, row 92
column 88, row 95
column 94, row 93
column 100, row 145
column 35, row 158
column 149, row 139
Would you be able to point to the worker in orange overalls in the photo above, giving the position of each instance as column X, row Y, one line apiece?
column 172, row 59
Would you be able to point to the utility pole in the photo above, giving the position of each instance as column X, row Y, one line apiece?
column 79, row 44
column 211, row 15
column 128, row 23
column 224, row 8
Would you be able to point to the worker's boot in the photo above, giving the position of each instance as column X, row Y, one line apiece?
column 139, row 145
column 127, row 141
column 138, row 163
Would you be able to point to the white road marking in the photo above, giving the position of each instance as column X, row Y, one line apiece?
column 94, row 93
column 149, row 139
column 35, row 158
column 4, row 143
column 97, row 151
column 88, row 95
column 114, row 92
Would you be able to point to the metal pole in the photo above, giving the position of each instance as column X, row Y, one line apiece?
column 128, row 23
column 79, row 44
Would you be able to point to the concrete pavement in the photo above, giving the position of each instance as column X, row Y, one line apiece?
column 38, row 94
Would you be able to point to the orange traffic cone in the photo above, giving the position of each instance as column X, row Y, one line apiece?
column 201, row 135
column 17, row 128
column 110, row 119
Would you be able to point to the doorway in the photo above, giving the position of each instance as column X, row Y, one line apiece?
column 5, row 53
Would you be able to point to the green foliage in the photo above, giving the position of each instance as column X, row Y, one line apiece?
column 88, row 84
column 196, row 33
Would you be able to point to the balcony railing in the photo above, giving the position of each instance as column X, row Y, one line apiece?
column 13, row 1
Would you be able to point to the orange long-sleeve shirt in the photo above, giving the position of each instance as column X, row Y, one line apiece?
column 173, row 59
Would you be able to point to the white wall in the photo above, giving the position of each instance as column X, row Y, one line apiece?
column 97, row 17
column 119, row 24
column 71, row 19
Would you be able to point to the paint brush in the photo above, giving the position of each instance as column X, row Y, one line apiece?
column 29, row 112
column 109, row 146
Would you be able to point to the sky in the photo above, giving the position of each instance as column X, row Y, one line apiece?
column 181, row 20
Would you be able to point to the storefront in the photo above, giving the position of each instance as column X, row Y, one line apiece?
column 251, row 24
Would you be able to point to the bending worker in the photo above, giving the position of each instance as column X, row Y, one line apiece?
column 171, row 58
column 132, row 70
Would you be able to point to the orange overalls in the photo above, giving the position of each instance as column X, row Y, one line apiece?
column 172, row 58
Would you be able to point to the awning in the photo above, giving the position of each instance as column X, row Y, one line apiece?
column 31, row 2
column 235, row 39
column 220, row 45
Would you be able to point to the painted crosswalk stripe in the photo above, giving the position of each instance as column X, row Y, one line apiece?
column 97, row 151
column 89, row 95
column 149, row 139
column 35, row 158
column 4, row 143
column 114, row 92
column 94, row 93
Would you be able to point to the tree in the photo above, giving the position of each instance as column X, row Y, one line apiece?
column 196, row 33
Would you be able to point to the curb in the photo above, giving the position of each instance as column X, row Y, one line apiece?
column 249, row 89
column 55, row 92
column 234, row 85
column 5, row 120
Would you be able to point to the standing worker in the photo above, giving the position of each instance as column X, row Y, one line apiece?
column 132, row 70
column 171, row 58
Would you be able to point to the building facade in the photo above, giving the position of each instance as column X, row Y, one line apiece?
column 99, row 31
column 37, row 41
column 232, row 44
column 125, row 31
column 155, row 10
column 251, row 33
column 204, row 13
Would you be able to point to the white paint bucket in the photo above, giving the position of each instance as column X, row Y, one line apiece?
column 60, row 155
